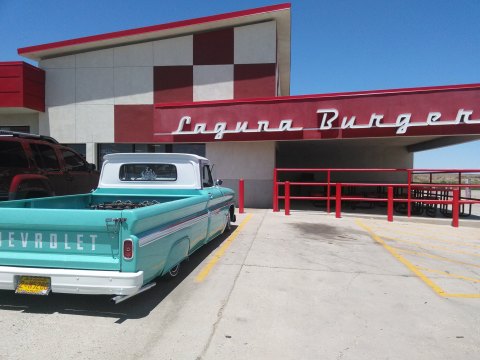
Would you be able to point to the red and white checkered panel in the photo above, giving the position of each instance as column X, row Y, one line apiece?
column 232, row 63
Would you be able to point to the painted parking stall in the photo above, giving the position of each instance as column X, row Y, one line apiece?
column 446, row 260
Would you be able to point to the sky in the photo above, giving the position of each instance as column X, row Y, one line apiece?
column 337, row 45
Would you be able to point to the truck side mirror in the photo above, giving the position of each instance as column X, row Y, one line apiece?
column 91, row 167
column 218, row 182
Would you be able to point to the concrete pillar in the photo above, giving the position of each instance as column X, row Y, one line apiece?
column 252, row 161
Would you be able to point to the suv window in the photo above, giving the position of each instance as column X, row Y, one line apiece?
column 73, row 162
column 45, row 157
column 12, row 155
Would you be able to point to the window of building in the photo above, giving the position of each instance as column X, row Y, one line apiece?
column 79, row 148
column 24, row 129
column 197, row 149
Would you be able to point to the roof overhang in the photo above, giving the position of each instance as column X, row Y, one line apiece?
column 280, row 13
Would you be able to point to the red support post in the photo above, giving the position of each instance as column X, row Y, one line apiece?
column 409, row 195
column 328, row 191
column 390, row 204
column 287, row 197
column 338, row 201
column 275, row 190
column 455, row 207
column 241, row 196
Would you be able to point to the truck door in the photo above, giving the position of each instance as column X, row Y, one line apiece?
column 216, row 217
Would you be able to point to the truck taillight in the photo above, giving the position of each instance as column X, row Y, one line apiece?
column 127, row 249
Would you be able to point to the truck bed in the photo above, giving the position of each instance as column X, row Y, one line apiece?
column 83, row 231
column 95, row 201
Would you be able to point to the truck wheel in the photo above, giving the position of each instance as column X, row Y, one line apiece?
column 228, row 225
column 174, row 271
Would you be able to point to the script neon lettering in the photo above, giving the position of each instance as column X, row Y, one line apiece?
column 403, row 121
column 221, row 128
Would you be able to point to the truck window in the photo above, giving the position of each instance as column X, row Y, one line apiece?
column 12, row 155
column 73, row 162
column 148, row 172
column 45, row 157
column 207, row 179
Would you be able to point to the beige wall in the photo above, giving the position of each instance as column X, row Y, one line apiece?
column 251, row 161
column 83, row 89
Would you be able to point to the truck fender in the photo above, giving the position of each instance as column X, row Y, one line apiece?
column 33, row 183
column 178, row 252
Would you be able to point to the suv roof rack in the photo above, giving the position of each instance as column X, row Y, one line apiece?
column 28, row 136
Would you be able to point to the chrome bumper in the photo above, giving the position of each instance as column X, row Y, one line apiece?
column 70, row 281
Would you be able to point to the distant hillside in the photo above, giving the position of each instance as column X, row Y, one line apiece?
column 446, row 178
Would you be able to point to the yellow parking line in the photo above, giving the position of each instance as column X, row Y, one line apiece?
column 206, row 270
column 417, row 270
column 463, row 296
column 431, row 246
column 438, row 257
column 456, row 276
column 430, row 237
column 437, row 289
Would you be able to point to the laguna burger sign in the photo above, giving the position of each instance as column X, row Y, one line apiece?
column 413, row 113
column 330, row 119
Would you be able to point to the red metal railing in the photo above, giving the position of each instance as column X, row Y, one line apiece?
column 426, row 194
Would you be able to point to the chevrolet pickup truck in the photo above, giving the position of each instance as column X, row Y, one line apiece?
column 148, row 214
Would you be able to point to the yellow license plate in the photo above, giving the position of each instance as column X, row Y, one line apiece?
column 33, row 285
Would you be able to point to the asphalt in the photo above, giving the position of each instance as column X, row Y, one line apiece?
column 304, row 286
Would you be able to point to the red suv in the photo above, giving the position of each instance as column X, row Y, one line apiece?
column 36, row 166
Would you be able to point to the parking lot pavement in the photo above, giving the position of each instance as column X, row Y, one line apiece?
column 305, row 286
column 445, row 258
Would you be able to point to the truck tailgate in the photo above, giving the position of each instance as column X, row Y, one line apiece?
column 58, row 238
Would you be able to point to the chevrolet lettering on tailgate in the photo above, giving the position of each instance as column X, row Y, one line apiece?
column 30, row 240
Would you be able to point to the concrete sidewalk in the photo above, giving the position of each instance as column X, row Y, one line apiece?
column 305, row 286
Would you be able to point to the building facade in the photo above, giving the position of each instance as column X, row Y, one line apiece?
column 219, row 87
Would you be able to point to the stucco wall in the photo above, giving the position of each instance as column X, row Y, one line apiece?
column 251, row 161
column 83, row 89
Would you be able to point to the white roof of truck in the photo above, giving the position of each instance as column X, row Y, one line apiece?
column 187, row 170
column 151, row 157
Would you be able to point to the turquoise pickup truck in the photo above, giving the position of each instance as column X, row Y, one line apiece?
column 148, row 214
